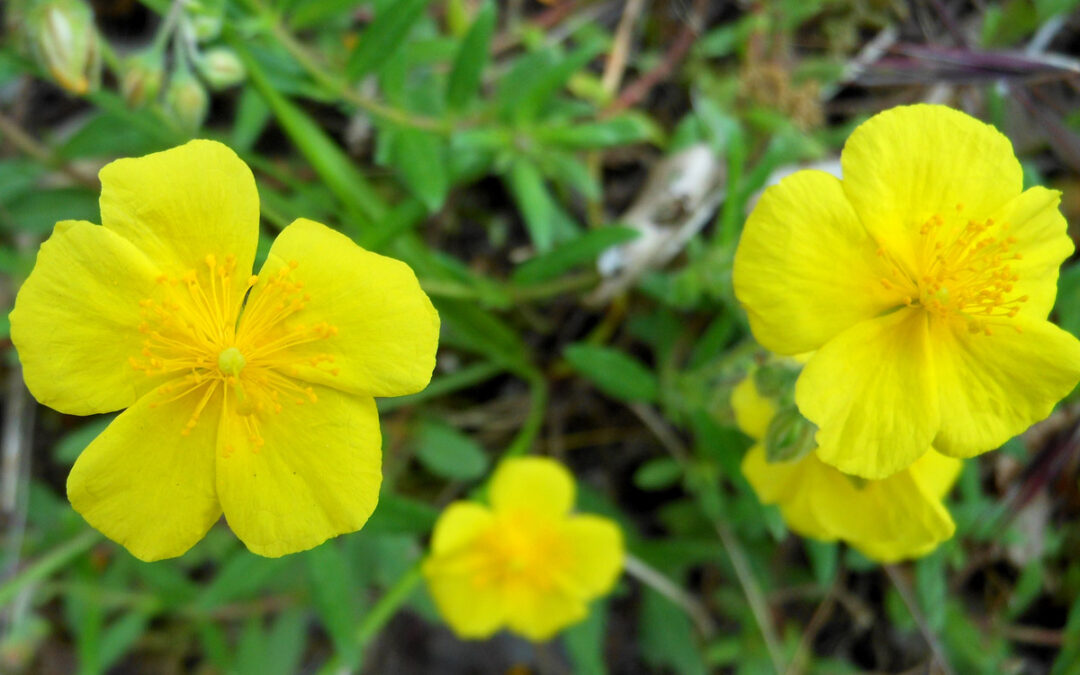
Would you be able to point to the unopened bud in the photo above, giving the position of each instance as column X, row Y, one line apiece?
column 206, row 17
column 186, row 99
column 64, row 41
column 790, row 436
column 221, row 68
column 141, row 77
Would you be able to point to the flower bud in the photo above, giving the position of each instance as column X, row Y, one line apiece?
column 186, row 100
column 221, row 68
column 790, row 436
column 206, row 17
column 141, row 77
column 64, row 41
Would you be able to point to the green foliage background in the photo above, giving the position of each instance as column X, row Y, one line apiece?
column 479, row 142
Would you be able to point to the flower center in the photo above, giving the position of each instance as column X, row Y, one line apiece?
column 965, row 271
column 201, row 337
column 520, row 549
column 231, row 361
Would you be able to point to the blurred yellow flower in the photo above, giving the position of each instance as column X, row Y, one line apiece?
column 923, row 279
column 246, row 394
column 525, row 563
column 896, row 518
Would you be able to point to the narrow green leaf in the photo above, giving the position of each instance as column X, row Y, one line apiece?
column 625, row 129
column 538, row 208
column 384, row 37
column 120, row 636
column 666, row 636
column 616, row 374
column 471, row 58
column 584, row 641
column 657, row 474
column 449, row 453
column 545, row 83
column 420, row 158
column 333, row 166
column 583, row 250
column 333, row 588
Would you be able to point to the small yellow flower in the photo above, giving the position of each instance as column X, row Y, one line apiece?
column 525, row 563
column 923, row 280
column 246, row 394
column 895, row 518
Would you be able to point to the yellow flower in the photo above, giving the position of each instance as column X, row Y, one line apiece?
column 525, row 563
column 246, row 394
column 895, row 518
column 923, row 279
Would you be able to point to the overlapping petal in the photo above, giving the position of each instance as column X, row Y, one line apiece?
column 182, row 204
column 992, row 387
column 873, row 394
column 387, row 328
column 316, row 476
column 76, row 320
column 156, row 498
column 596, row 552
column 786, row 271
column 909, row 163
column 533, row 484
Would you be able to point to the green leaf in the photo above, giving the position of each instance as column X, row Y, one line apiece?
column 470, row 327
column 542, row 84
column 447, row 452
column 931, row 588
column 120, row 636
column 626, row 129
column 384, row 37
column 471, row 58
column 74, row 442
column 333, row 166
column 420, row 158
column 585, row 249
column 613, row 372
column 17, row 177
column 541, row 213
column 333, row 590
column 584, row 641
column 658, row 473
column 666, row 636
column 396, row 514
column 37, row 211
column 252, row 114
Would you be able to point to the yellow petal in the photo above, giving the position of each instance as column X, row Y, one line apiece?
column 182, row 204
column 75, row 322
column 145, row 485
column 387, row 329
column 316, row 477
column 873, row 395
column 473, row 611
column 753, row 412
column 789, row 485
column 1034, row 220
column 596, row 548
column 936, row 473
column 888, row 519
column 458, row 525
column 805, row 269
column 906, row 164
column 540, row 615
column 996, row 386
column 536, row 484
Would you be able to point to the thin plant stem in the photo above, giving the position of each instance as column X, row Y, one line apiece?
column 44, row 566
column 643, row 572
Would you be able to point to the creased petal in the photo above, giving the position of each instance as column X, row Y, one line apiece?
column 536, row 484
column 75, row 322
column 458, row 525
column 182, row 204
column 936, row 473
column 596, row 548
column 387, row 328
column 540, row 615
column 789, row 485
column 996, row 386
column 1034, row 220
column 805, row 269
column 316, row 476
column 473, row 611
column 909, row 163
column 890, row 519
column 873, row 395
column 156, row 498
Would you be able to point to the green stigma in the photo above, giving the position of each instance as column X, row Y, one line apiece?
column 231, row 361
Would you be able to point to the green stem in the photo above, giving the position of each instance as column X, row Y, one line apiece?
column 526, row 436
column 388, row 605
column 47, row 564
column 447, row 384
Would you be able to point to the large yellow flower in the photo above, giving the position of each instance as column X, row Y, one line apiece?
column 923, row 279
column 246, row 394
column 525, row 563
column 892, row 519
